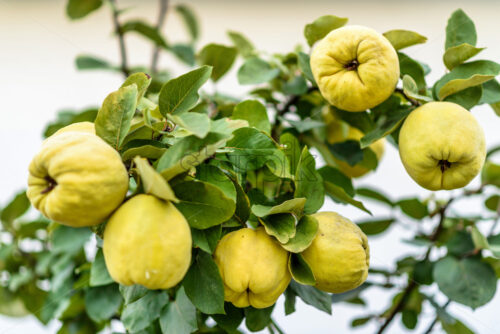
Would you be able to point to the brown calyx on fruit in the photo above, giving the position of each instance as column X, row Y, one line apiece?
column 352, row 65
column 51, row 184
column 444, row 165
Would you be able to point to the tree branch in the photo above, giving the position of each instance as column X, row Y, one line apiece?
column 434, row 322
column 121, row 40
column 409, row 99
column 162, row 13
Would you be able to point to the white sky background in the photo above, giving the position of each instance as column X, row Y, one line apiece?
column 38, row 46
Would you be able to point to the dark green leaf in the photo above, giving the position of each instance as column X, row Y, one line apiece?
column 373, row 227
column 460, row 243
column 203, row 204
column 231, row 320
column 114, row 119
column 203, row 285
column 312, row 296
column 467, row 98
column 401, row 39
column 254, row 113
column 348, row 151
column 467, row 281
column 141, row 313
column 413, row 207
column 256, row 71
column 360, row 321
column 300, row 271
column 220, row 57
column 460, row 29
column 296, row 86
column 305, row 66
column 411, row 67
column 77, row 9
column 99, row 274
column 86, row 62
column 15, row 209
column 374, row 195
column 409, row 318
column 290, row 299
column 309, row 183
column 320, row 27
column 206, row 239
column 257, row 319
column 184, row 53
column 67, row 117
column 492, row 203
column 181, row 94
column 102, row 302
column 69, row 240
column 132, row 293
column 179, row 316
column 190, row 20
column 146, row 30
column 281, row 226
column 491, row 92
column 422, row 273
column 338, row 194
column 306, row 231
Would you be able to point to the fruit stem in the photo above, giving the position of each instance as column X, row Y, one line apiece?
column 352, row 65
column 444, row 165
column 51, row 184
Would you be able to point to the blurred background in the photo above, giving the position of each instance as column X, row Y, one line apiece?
column 39, row 44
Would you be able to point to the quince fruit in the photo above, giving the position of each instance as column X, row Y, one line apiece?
column 77, row 179
column 339, row 131
column 147, row 241
column 356, row 68
column 253, row 267
column 339, row 256
column 442, row 146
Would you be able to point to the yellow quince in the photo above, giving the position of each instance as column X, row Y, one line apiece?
column 253, row 267
column 356, row 68
column 339, row 256
column 442, row 146
column 147, row 241
column 77, row 179
column 339, row 131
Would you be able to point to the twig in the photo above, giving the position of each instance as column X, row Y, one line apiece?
column 121, row 40
column 159, row 24
column 409, row 99
column 434, row 322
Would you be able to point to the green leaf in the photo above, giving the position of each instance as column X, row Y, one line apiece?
column 231, row 320
column 114, row 119
column 146, row 30
column 281, row 226
column 467, row 281
column 411, row 67
column 295, row 206
column 215, row 175
column 292, row 150
column 11, row 304
column 413, row 207
column 183, row 52
column 133, row 292
column 456, row 55
column 410, row 88
column 87, row 62
column 295, row 86
column 141, row 313
column 206, row 239
column 493, row 203
column 254, row 113
column 69, row 240
column 181, row 94
column 320, row 27
column 348, row 151
column 493, row 244
column 256, row 71
column 102, row 302
column 220, row 57
column 491, row 174
column 373, row 227
column 152, row 182
column 203, row 285
column 491, row 92
column 455, row 327
column 195, row 123
column 300, row 270
column 393, row 116
column 190, row 20
column 305, row 66
column 467, row 98
column 146, row 148
column 67, row 117
column 422, row 273
column 309, row 183
column 314, row 297
column 141, row 80
column 242, row 44
column 338, row 194
column 203, row 204
column 306, row 231
column 479, row 240
column 401, row 39
column 409, row 318
column 15, row 209
column 360, row 321
column 257, row 319
column 188, row 153
column 179, row 316
column 99, row 274
column 460, row 244
column 334, row 176
column 304, row 125
column 77, row 9
column 460, row 29
column 464, row 76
